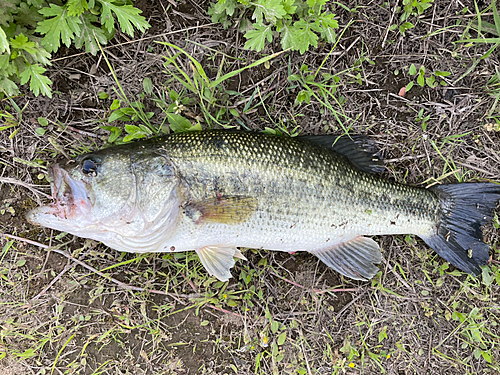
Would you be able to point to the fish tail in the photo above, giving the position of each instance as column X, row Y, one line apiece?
column 465, row 208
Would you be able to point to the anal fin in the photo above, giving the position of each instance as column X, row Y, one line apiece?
column 218, row 260
column 355, row 258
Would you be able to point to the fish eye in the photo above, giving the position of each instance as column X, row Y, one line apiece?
column 91, row 166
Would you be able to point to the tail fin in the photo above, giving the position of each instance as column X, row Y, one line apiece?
column 459, row 239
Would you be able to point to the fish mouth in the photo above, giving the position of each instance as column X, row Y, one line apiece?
column 70, row 199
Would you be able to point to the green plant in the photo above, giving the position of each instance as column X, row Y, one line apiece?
column 423, row 79
column 479, row 25
column 32, row 30
column 299, row 24
column 422, row 119
column 414, row 8
column 493, row 89
column 207, row 92
column 410, row 8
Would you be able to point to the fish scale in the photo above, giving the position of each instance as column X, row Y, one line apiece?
column 306, row 188
column 215, row 191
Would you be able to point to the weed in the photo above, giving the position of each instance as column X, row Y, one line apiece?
column 298, row 23
column 207, row 91
column 411, row 8
column 23, row 53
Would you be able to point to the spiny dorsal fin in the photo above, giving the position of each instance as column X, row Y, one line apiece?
column 224, row 210
column 355, row 258
column 358, row 149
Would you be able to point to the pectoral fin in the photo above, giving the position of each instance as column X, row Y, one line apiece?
column 355, row 258
column 218, row 260
column 224, row 210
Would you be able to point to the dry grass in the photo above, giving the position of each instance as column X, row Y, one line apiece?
column 281, row 314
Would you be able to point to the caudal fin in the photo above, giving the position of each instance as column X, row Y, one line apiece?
column 459, row 239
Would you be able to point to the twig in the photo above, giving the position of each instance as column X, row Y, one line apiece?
column 90, row 268
column 318, row 291
column 476, row 168
column 136, row 41
column 225, row 311
column 54, row 280
column 387, row 161
column 9, row 180
column 388, row 27
column 304, row 352
column 82, row 132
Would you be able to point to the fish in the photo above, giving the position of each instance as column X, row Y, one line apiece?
column 217, row 191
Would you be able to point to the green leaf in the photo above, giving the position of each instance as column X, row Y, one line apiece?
column 89, row 34
column 27, row 15
column 115, row 132
column 382, row 334
column 328, row 24
column 304, row 95
column 40, row 131
column 8, row 7
column 257, row 38
column 439, row 73
column 413, row 70
column 28, row 353
column 328, row 20
column 8, row 86
column 38, row 4
column 289, row 6
column 118, row 115
column 62, row 27
column 127, row 16
column 220, row 9
column 115, row 105
column 38, row 82
column 6, row 65
column 486, row 356
column 4, row 43
column 496, row 19
column 313, row 3
column 282, row 338
column 135, row 132
column 147, row 85
column 21, row 42
column 43, row 121
column 272, row 10
column 303, row 35
column 178, row 123
column 431, row 81
column 329, row 34
column 286, row 36
column 77, row 7
column 405, row 26
column 420, row 78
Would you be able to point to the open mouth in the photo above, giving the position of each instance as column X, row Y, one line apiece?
column 70, row 195
column 70, row 199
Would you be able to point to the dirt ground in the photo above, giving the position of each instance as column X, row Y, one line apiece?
column 83, row 308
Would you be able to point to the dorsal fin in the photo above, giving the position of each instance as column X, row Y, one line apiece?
column 358, row 149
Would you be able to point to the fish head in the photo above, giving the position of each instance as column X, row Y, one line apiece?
column 110, row 195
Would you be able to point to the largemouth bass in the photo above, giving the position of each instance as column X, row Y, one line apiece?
column 215, row 191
